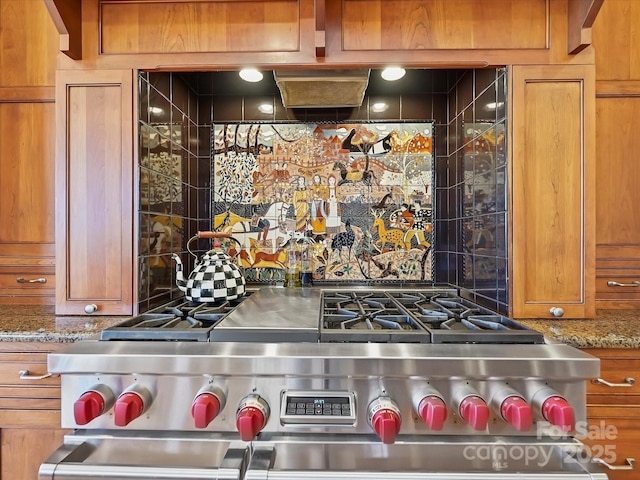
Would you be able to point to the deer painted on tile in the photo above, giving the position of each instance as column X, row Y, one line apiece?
column 393, row 235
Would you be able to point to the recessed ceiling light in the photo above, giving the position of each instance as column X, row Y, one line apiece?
column 392, row 74
column 250, row 75
column 379, row 107
column 156, row 110
column 266, row 108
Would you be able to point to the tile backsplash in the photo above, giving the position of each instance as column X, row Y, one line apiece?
column 174, row 200
column 415, row 193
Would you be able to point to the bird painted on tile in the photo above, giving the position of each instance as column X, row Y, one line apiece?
column 344, row 239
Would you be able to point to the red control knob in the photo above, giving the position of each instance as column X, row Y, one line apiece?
column 558, row 412
column 433, row 411
column 386, row 424
column 90, row 405
column 128, row 407
column 204, row 409
column 249, row 422
column 475, row 412
column 516, row 411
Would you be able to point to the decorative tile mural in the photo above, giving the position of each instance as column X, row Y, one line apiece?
column 361, row 194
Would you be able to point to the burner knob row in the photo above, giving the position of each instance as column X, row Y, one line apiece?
column 512, row 407
column 135, row 400
column 251, row 417
column 384, row 415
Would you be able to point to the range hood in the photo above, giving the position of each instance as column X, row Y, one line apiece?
column 322, row 88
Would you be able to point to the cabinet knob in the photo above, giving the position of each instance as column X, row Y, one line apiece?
column 628, row 382
column 91, row 308
column 556, row 311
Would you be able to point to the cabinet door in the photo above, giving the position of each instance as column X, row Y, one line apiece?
column 552, row 191
column 94, row 178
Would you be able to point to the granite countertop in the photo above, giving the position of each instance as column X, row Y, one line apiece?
column 27, row 323
column 610, row 329
column 31, row 323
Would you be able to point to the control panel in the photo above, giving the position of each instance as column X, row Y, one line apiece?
column 318, row 407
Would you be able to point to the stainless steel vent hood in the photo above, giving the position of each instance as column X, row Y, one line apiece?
column 322, row 88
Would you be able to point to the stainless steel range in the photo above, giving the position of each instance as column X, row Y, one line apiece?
column 323, row 384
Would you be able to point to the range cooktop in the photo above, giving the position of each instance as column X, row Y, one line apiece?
column 276, row 314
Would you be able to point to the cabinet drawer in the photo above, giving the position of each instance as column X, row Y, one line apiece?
column 28, row 402
column 42, row 291
column 614, row 436
column 618, row 368
column 622, row 287
column 35, row 364
column 31, row 278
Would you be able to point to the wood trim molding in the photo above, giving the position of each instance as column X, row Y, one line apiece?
column 27, row 94
column 67, row 17
column 617, row 88
column 581, row 16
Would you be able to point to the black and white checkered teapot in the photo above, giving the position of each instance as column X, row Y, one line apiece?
column 215, row 278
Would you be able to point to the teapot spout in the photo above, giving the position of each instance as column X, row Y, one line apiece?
column 180, row 280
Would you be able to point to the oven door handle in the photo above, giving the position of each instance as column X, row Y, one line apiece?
column 66, row 463
column 68, row 471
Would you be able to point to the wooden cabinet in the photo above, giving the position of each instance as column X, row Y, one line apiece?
column 613, row 412
column 29, row 410
column 95, row 176
column 552, row 190
column 27, row 138
column 617, row 146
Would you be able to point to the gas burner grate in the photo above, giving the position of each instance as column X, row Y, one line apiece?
column 179, row 320
column 425, row 317
column 369, row 317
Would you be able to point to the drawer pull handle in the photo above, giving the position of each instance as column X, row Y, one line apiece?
column 35, row 280
column 628, row 466
column 25, row 375
column 635, row 283
column 628, row 382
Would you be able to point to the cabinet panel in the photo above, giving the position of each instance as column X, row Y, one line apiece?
column 28, row 44
column 442, row 24
column 552, row 173
column 24, row 449
column 616, row 35
column 618, row 174
column 200, row 26
column 94, row 167
column 27, row 164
